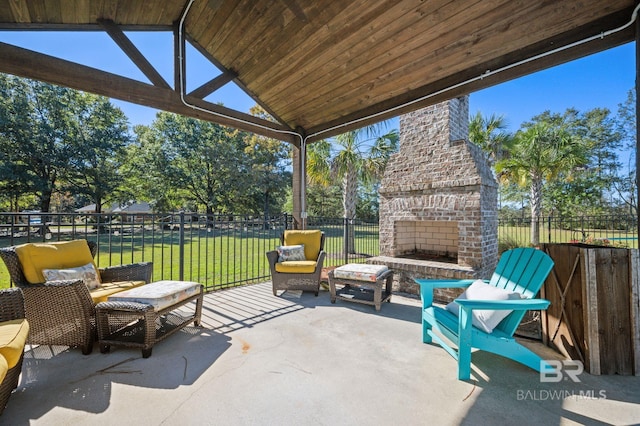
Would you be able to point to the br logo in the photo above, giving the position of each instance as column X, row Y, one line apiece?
column 552, row 371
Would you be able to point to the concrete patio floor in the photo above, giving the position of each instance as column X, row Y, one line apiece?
column 300, row 360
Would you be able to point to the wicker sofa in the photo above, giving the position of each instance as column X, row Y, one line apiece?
column 14, row 329
column 298, row 274
column 63, row 312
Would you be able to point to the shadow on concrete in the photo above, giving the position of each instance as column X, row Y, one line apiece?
column 56, row 376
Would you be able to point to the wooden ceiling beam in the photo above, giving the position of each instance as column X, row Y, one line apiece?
column 26, row 63
column 133, row 53
column 237, row 81
column 179, row 66
column 212, row 85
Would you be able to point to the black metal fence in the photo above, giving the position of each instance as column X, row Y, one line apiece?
column 341, row 248
column 227, row 250
column 610, row 230
column 217, row 250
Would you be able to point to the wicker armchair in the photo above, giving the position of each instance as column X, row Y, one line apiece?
column 63, row 312
column 11, row 308
column 309, row 280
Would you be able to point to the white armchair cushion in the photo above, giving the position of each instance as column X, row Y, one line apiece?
column 485, row 319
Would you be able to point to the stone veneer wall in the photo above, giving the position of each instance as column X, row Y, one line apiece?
column 438, row 176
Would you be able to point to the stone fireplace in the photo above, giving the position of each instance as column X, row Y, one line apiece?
column 438, row 201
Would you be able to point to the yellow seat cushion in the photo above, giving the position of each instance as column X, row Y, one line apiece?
column 310, row 238
column 4, row 368
column 34, row 257
column 107, row 289
column 297, row 266
column 13, row 337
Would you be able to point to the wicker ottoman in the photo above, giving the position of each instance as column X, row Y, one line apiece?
column 143, row 316
column 361, row 284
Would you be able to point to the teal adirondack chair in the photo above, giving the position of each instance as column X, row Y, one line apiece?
column 521, row 270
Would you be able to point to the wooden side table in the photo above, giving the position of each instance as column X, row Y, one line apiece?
column 361, row 289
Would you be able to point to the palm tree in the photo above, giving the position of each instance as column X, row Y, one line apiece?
column 490, row 135
column 360, row 158
column 319, row 163
column 539, row 153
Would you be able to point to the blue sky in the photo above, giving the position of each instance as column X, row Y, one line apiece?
column 600, row 80
column 597, row 81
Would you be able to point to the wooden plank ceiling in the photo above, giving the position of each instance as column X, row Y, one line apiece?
column 320, row 67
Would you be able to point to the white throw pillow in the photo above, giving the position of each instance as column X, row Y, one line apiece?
column 288, row 253
column 485, row 319
column 86, row 273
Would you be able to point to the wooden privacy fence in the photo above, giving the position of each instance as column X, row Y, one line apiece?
column 595, row 309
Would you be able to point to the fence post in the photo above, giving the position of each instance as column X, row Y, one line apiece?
column 549, row 228
column 13, row 229
column 181, row 248
column 345, row 237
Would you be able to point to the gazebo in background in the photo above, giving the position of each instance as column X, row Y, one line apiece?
column 129, row 212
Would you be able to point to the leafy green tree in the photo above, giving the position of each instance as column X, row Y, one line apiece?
column 368, row 207
column 626, row 121
column 14, row 180
column 597, row 128
column 143, row 172
column 14, row 176
column 585, row 189
column 100, row 136
column 319, row 163
column 324, row 200
column 512, row 196
column 58, row 139
column 268, row 167
column 361, row 156
column 626, row 184
column 205, row 163
column 36, row 129
column 540, row 152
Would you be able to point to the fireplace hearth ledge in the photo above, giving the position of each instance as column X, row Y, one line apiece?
column 405, row 270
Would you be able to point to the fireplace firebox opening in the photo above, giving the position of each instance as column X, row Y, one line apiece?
column 427, row 240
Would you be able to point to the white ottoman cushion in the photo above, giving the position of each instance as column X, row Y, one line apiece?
column 159, row 294
column 360, row 272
